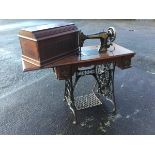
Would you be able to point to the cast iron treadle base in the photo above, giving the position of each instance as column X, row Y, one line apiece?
column 87, row 101
column 104, row 76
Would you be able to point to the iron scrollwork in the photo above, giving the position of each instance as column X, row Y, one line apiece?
column 104, row 75
column 105, row 80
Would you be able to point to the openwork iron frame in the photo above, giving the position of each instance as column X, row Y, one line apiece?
column 104, row 76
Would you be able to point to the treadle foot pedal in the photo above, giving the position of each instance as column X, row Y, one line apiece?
column 87, row 101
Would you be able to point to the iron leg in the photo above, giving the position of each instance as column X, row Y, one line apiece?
column 104, row 75
column 69, row 97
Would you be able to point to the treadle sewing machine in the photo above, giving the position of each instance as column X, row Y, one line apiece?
column 60, row 46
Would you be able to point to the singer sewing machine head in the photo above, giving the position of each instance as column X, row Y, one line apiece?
column 106, row 38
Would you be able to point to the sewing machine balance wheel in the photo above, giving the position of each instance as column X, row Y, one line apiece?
column 112, row 33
